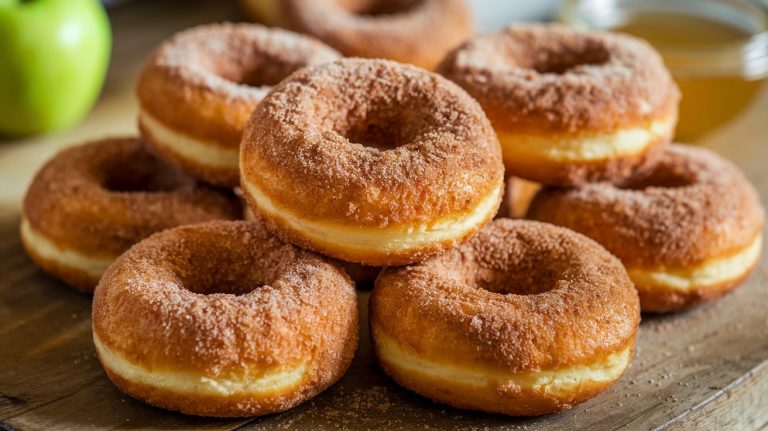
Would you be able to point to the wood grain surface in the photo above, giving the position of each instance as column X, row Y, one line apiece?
column 702, row 369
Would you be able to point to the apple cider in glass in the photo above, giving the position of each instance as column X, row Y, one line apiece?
column 717, row 50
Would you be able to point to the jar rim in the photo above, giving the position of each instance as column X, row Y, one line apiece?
column 748, row 58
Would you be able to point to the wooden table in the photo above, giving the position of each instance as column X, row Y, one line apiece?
column 703, row 368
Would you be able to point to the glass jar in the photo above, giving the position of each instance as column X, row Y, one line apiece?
column 717, row 50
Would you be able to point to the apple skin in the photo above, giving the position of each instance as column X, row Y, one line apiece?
column 53, row 60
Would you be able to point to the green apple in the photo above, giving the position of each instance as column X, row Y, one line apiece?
column 53, row 60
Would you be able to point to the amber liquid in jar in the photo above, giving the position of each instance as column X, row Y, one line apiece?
column 709, row 100
column 717, row 50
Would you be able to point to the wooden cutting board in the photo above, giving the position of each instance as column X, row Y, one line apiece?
column 707, row 368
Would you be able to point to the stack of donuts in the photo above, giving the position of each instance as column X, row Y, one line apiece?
column 351, row 169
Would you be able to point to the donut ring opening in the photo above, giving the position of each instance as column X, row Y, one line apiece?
column 457, row 330
column 567, row 56
column 381, row 122
column 145, row 176
column 220, row 319
column 525, row 271
column 260, row 68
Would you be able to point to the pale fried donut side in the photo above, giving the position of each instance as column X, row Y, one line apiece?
column 569, row 107
column 199, row 88
column 362, row 275
column 688, row 230
column 418, row 32
column 92, row 202
column 224, row 319
column 524, row 319
column 371, row 161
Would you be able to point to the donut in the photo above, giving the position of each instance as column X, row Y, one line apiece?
column 371, row 161
column 362, row 275
column 517, row 197
column 92, row 202
column 199, row 88
column 524, row 319
column 419, row 32
column 223, row 319
column 569, row 107
column 688, row 230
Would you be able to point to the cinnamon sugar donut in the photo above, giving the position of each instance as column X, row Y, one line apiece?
column 569, row 107
column 223, row 319
column 199, row 88
column 362, row 275
column 419, row 32
column 688, row 230
column 371, row 161
column 524, row 319
column 91, row 202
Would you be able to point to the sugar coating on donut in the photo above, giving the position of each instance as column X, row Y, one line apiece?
column 549, row 78
column 690, row 206
column 224, row 319
column 417, row 32
column 435, row 153
column 688, row 229
column 239, row 60
column 371, row 161
column 525, row 318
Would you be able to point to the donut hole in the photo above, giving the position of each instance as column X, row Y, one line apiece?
column 144, row 176
column 220, row 263
column 254, row 72
column 556, row 57
column 514, row 268
column 252, row 58
column 213, row 277
column 518, row 277
column 386, row 122
column 381, row 134
column 561, row 61
column 377, row 8
column 661, row 177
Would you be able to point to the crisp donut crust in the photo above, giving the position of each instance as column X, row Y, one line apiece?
column 569, row 107
column 224, row 319
column 418, row 32
column 199, row 88
column 371, row 161
column 90, row 203
column 688, row 230
column 524, row 319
